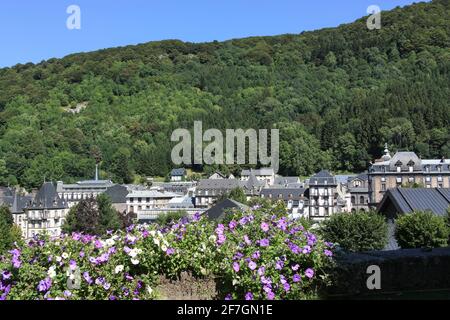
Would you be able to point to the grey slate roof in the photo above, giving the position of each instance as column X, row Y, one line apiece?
column 16, row 202
column 178, row 172
column 404, row 159
column 47, row 198
column 219, row 211
column 218, row 184
column 423, row 199
column 322, row 178
column 258, row 172
column 287, row 180
column 274, row 193
column 117, row 193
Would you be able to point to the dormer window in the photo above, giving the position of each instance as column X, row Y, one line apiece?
column 427, row 168
column 439, row 168
column 399, row 166
column 411, row 166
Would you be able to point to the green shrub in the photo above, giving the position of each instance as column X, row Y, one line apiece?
column 169, row 217
column 421, row 230
column 360, row 231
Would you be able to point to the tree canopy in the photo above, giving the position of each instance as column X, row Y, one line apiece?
column 338, row 94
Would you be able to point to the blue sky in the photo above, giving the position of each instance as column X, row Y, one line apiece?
column 32, row 31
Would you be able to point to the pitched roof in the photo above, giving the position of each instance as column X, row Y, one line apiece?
column 285, row 193
column 219, row 211
column 222, row 184
column 258, row 172
column 419, row 199
column 117, row 193
column 47, row 198
column 324, row 177
column 15, row 201
column 287, row 180
column 178, row 172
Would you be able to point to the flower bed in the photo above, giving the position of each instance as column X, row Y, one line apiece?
column 258, row 255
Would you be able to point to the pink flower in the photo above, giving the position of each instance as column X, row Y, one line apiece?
column 264, row 226
column 236, row 267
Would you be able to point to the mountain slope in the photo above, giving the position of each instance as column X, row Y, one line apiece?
column 337, row 95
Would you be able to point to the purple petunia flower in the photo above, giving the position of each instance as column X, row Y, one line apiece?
column 87, row 277
column 306, row 249
column 170, row 251
column 296, row 278
column 256, row 255
column 72, row 265
column 252, row 265
column 233, row 224
column 264, row 226
column 44, row 285
column 247, row 240
column 309, row 273
column 261, row 271
column 6, row 275
column 236, row 267
column 287, row 287
column 264, row 242
column 248, row 296
column 295, row 268
column 270, row 295
column 328, row 253
column 228, row 297
column 279, row 265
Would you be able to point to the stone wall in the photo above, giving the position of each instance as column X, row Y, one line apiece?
column 400, row 271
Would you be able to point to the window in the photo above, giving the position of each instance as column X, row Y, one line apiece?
column 411, row 179
column 440, row 185
column 399, row 180
column 428, row 179
column 361, row 200
column 383, row 187
column 353, row 200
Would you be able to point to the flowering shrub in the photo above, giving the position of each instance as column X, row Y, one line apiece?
column 259, row 255
column 264, row 255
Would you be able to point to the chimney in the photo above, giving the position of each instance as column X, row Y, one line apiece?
column 96, row 172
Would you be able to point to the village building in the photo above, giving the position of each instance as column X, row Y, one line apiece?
column 266, row 175
column 209, row 190
column 140, row 200
column 294, row 199
column 74, row 193
column 178, row 174
column 405, row 169
column 46, row 213
column 358, row 187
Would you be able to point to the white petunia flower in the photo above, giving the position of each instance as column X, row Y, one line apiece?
column 156, row 241
column 51, row 272
column 164, row 248
column 118, row 269
column 135, row 261
column 149, row 290
column 133, row 253
column 65, row 255
column 58, row 259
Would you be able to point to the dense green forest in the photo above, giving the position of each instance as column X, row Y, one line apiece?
column 337, row 95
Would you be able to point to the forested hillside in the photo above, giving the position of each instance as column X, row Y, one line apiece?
column 336, row 94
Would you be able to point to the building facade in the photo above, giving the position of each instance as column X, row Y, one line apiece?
column 405, row 169
column 46, row 213
column 358, row 187
column 141, row 200
column 266, row 175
